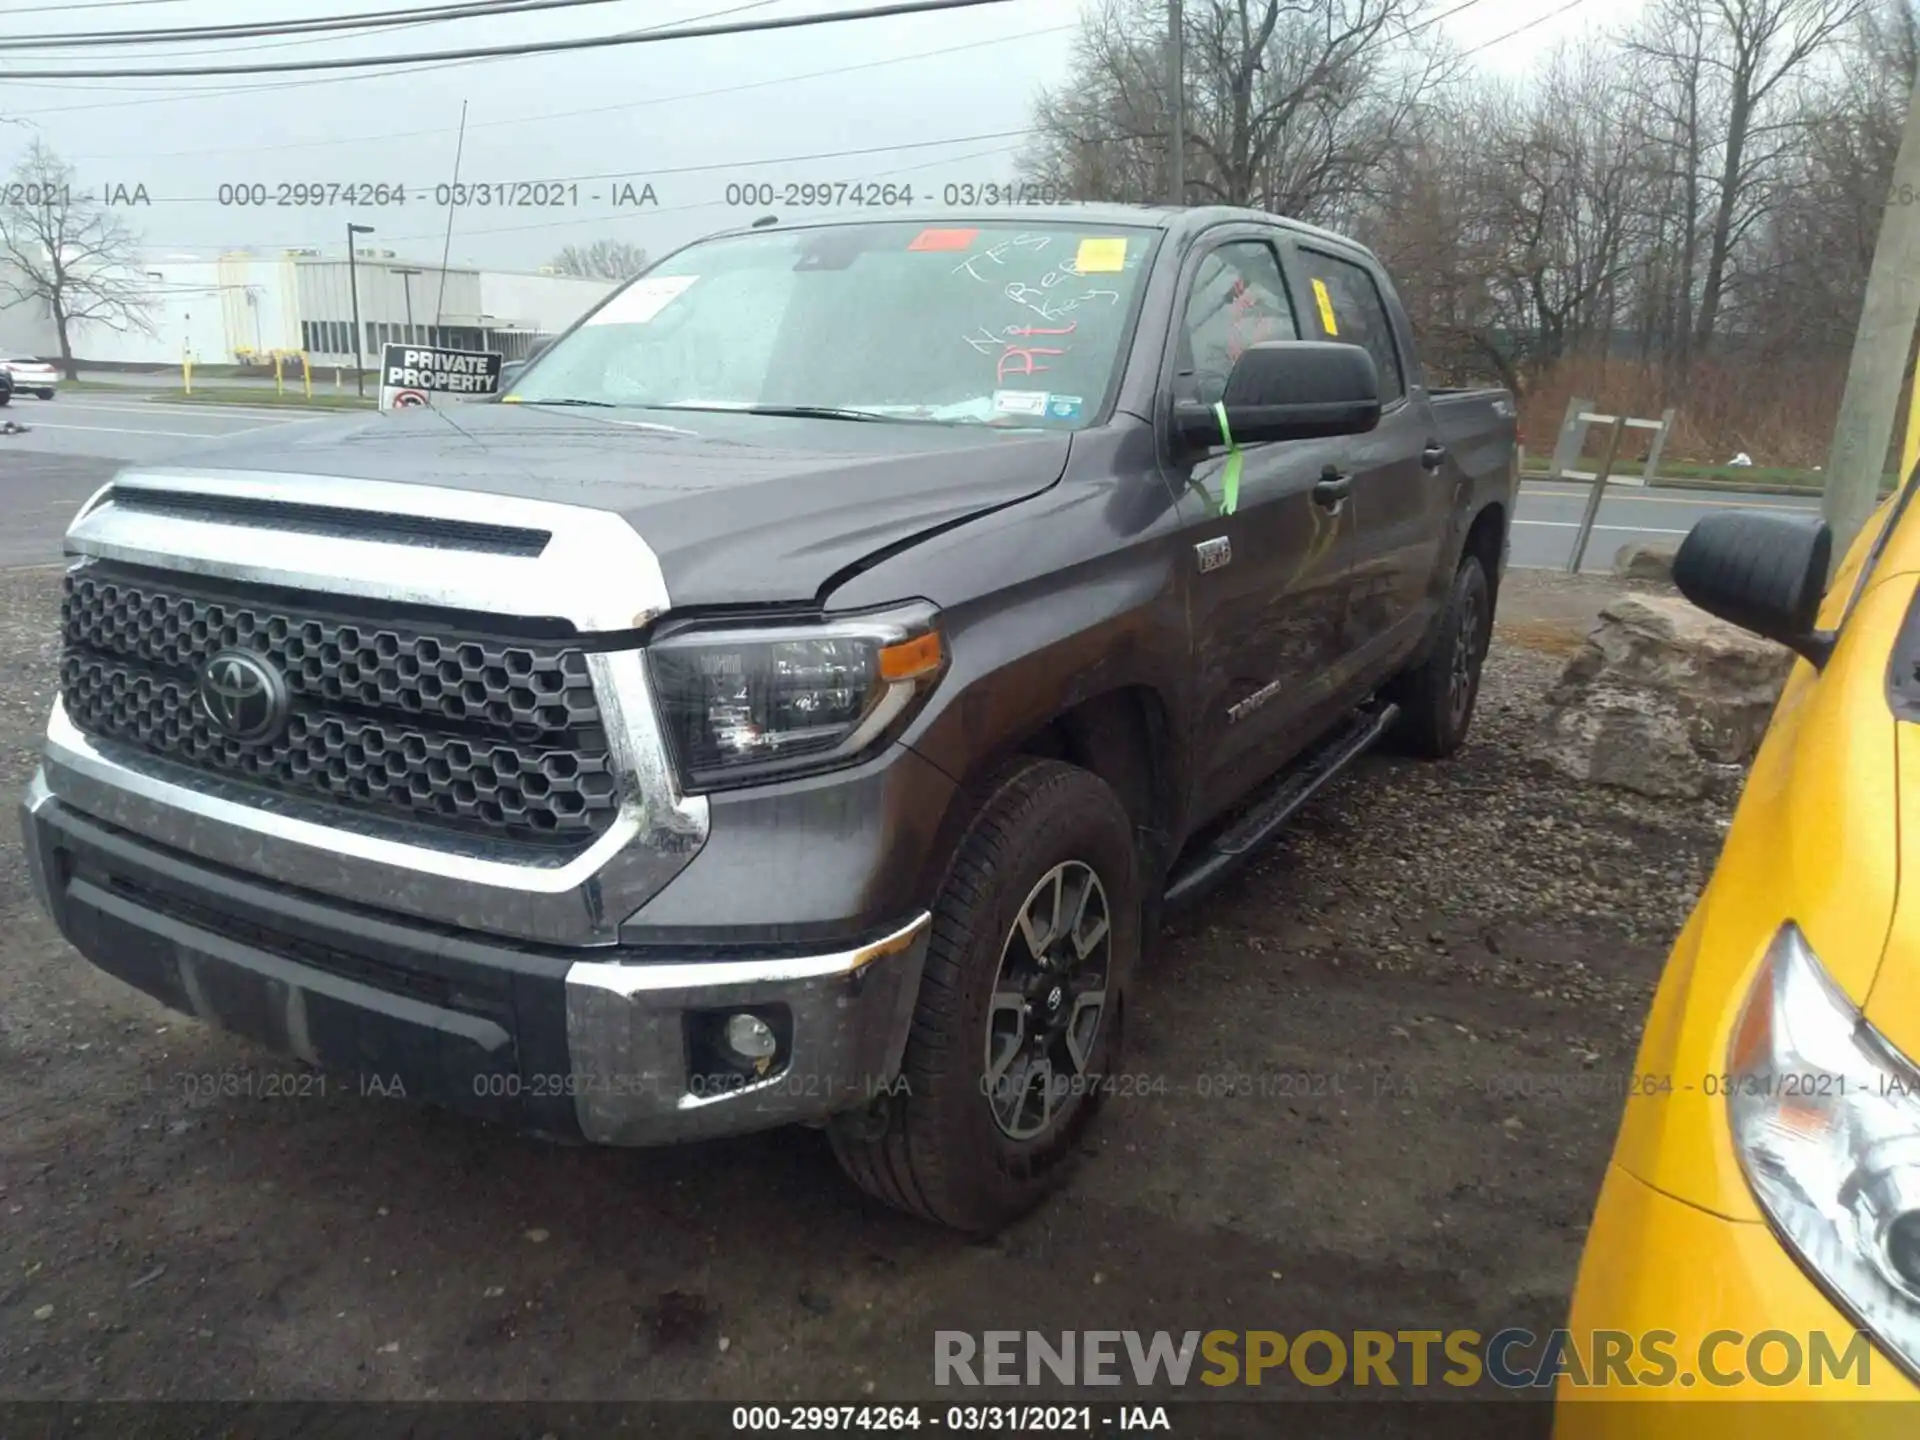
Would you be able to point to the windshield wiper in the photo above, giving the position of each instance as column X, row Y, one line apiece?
column 568, row 400
column 798, row 412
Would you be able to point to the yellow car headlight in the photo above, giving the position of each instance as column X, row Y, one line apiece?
column 1826, row 1121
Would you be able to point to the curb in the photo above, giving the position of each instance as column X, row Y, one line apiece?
column 1686, row 482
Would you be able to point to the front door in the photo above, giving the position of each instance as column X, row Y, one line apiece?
column 1269, row 585
column 1402, row 491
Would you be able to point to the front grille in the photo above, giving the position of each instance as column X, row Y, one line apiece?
column 450, row 728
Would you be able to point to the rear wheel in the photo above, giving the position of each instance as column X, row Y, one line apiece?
column 1019, row 1017
column 44, row 394
column 1437, row 697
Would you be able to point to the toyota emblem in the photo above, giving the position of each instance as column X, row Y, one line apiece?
column 245, row 697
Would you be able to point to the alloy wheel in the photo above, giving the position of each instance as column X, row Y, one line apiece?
column 1049, row 1000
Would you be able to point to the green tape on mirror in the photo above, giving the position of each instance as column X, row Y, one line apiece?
column 1230, row 476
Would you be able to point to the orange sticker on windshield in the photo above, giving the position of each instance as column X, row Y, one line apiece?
column 937, row 239
column 1101, row 256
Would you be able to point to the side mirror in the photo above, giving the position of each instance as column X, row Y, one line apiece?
column 1763, row 571
column 1289, row 390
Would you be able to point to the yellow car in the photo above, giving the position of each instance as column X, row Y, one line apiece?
column 1757, row 1238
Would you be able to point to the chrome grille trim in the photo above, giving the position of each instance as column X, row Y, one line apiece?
column 404, row 717
column 597, row 574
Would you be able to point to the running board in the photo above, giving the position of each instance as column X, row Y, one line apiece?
column 1294, row 786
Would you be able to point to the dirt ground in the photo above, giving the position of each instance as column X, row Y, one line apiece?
column 1431, row 948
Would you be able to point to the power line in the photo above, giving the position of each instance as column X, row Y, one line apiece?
column 703, row 168
column 523, row 121
column 1434, row 20
column 388, row 26
column 430, row 15
column 1522, row 29
column 216, row 92
column 538, row 47
column 103, row 5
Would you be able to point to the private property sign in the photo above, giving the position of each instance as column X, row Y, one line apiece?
column 411, row 375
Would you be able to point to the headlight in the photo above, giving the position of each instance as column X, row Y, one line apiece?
column 1826, row 1120
column 747, row 703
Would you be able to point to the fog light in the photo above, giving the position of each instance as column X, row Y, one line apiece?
column 751, row 1038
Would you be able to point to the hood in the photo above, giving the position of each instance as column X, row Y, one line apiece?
column 740, row 509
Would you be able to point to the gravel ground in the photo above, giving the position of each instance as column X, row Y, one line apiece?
column 1416, row 987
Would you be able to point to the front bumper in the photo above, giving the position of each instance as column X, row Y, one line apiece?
column 611, row 1049
column 1655, row 1264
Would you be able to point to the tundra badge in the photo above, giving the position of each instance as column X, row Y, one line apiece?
column 1212, row 554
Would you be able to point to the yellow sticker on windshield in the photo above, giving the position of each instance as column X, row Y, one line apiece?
column 1101, row 256
column 1325, row 302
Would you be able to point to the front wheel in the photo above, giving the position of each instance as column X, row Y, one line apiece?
column 1018, row 1024
column 44, row 394
column 1437, row 697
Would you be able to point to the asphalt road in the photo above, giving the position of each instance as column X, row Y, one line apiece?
column 75, row 443
column 1549, row 519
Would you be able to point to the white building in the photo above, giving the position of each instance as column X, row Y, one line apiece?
column 227, row 308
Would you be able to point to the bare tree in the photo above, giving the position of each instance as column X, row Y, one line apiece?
column 1813, row 254
column 1725, row 72
column 602, row 260
column 1292, row 104
column 66, row 249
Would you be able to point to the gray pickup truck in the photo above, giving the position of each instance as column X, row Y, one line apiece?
column 796, row 700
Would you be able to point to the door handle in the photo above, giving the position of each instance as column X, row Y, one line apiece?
column 1433, row 455
column 1333, row 489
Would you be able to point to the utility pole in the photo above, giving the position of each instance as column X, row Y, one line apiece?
column 353, row 285
column 1176, row 108
column 1880, row 350
column 406, row 279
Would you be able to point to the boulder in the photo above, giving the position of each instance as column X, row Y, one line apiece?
column 1663, row 699
column 1642, row 561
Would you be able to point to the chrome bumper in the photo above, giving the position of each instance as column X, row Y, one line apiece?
column 597, row 1050
column 626, row 1033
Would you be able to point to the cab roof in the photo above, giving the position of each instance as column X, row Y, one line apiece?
column 1181, row 222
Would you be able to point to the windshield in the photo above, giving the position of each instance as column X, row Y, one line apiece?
column 992, row 323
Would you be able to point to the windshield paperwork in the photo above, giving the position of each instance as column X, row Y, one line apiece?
column 990, row 323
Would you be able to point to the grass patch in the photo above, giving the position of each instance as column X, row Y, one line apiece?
column 292, row 400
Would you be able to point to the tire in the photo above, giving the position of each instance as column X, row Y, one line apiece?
column 6, row 397
column 949, row 1144
column 44, row 394
column 1437, row 697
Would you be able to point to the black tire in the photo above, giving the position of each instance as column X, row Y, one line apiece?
column 1437, row 697
column 938, row 1146
column 6, row 397
column 44, row 394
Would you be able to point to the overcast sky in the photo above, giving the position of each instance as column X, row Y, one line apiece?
column 596, row 120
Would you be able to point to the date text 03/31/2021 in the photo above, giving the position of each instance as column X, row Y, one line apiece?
column 961, row 1419
column 805, row 194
